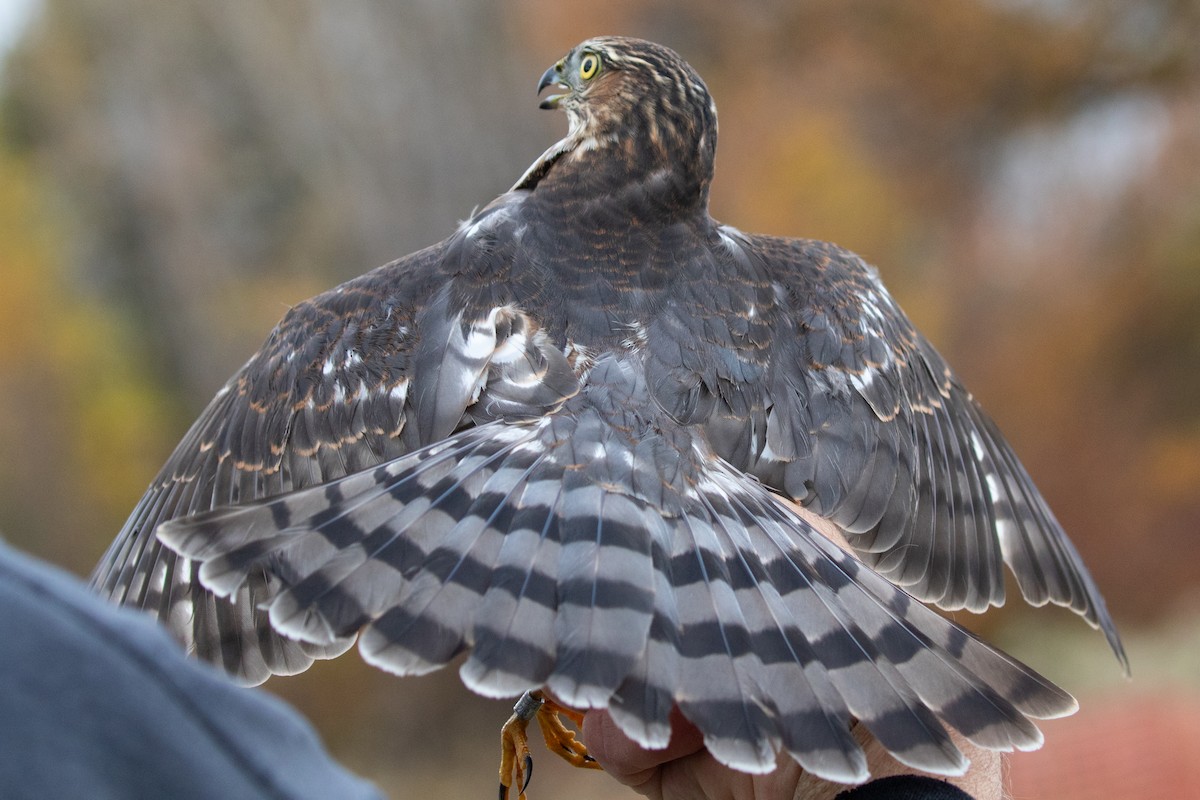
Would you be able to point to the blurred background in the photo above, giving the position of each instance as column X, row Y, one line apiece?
column 1025, row 174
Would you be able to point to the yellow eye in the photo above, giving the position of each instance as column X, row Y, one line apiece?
column 589, row 66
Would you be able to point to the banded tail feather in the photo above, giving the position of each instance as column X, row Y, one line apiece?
column 558, row 564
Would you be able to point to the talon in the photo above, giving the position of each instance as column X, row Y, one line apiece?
column 515, row 760
column 561, row 740
column 516, row 763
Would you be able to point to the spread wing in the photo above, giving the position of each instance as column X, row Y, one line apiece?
column 867, row 425
column 558, row 442
column 604, row 551
column 382, row 365
column 575, row 523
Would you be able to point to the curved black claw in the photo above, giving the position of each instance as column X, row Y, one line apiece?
column 525, row 785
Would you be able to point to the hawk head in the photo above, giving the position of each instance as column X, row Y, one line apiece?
column 636, row 110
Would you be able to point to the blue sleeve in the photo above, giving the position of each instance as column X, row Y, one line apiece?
column 98, row 702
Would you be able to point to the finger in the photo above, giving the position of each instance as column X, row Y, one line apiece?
column 626, row 760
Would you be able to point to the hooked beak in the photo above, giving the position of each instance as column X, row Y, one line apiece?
column 551, row 77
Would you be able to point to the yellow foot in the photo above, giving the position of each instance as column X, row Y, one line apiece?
column 560, row 739
column 516, row 765
column 515, row 761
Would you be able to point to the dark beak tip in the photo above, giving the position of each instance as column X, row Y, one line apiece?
column 549, row 77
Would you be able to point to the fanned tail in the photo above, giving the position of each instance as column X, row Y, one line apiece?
column 614, row 560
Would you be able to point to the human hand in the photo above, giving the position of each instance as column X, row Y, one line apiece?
column 684, row 769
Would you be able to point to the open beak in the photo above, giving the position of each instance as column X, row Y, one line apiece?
column 551, row 77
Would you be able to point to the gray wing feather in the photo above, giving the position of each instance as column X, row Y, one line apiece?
column 138, row 571
column 634, row 583
column 869, row 427
column 350, row 379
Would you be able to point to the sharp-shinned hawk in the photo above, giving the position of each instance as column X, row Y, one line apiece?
column 564, row 440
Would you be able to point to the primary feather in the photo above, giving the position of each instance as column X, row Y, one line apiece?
column 563, row 441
